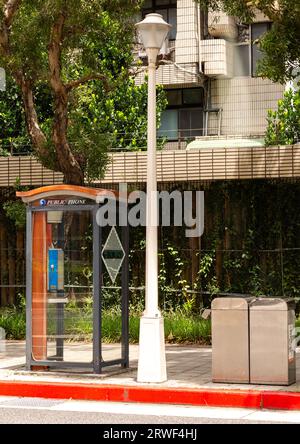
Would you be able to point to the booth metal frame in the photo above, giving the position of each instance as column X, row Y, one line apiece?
column 97, row 363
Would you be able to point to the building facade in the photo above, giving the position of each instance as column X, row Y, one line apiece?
column 208, row 69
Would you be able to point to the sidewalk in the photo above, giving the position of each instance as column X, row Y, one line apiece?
column 189, row 380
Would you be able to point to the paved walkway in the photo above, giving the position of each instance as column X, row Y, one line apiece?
column 188, row 367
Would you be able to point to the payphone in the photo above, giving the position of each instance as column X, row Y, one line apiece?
column 60, row 294
column 55, row 270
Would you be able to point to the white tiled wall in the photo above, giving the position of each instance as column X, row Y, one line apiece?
column 186, row 49
column 245, row 102
column 169, row 74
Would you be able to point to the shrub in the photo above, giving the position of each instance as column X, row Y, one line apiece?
column 179, row 326
column 284, row 124
column 13, row 321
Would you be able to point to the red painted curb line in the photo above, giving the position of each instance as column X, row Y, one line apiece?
column 253, row 399
column 96, row 392
column 281, row 400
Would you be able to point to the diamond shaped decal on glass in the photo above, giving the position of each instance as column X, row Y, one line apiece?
column 113, row 254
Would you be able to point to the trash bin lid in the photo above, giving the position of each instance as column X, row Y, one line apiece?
column 231, row 303
column 276, row 304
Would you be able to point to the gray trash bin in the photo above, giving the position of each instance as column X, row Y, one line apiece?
column 230, row 340
column 272, row 355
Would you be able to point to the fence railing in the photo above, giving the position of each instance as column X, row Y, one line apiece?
column 172, row 165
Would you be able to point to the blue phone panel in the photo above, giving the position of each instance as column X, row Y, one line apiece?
column 55, row 269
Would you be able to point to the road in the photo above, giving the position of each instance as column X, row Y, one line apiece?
column 50, row 411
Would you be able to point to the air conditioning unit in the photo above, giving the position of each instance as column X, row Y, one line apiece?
column 222, row 26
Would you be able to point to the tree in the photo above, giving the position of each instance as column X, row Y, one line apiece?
column 62, row 46
column 280, row 46
column 122, row 113
column 284, row 123
column 13, row 132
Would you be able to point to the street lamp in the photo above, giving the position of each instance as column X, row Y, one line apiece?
column 153, row 31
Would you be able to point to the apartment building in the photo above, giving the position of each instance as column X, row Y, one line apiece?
column 208, row 69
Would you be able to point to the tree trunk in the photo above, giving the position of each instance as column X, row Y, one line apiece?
column 37, row 136
column 68, row 164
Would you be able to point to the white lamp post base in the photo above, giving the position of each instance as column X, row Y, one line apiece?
column 152, row 358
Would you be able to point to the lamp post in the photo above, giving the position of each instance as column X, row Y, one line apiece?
column 153, row 31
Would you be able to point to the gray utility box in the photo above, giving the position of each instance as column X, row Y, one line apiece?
column 252, row 341
column 230, row 340
column 272, row 352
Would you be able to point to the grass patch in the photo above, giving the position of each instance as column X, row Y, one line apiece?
column 179, row 326
column 183, row 328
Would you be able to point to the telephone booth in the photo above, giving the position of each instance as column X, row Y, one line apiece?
column 72, row 264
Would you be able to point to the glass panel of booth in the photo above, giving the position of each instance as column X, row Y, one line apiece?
column 111, row 291
column 62, row 286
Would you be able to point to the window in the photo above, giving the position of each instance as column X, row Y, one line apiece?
column 183, row 117
column 247, row 53
column 167, row 8
column 241, row 60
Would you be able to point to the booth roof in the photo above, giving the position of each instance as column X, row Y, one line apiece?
column 51, row 191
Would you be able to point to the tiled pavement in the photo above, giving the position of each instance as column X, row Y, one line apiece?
column 188, row 366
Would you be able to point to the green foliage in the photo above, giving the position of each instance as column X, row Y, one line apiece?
column 101, row 117
column 96, row 42
column 16, row 212
column 173, row 285
column 121, row 112
column 284, row 123
column 281, row 51
column 92, row 146
column 206, row 273
column 179, row 326
column 13, row 320
column 13, row 134
column 238, row 8
column 90, row 29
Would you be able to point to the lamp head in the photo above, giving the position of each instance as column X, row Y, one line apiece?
column 153, row 31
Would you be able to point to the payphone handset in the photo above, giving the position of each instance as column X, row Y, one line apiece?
column 55, row 270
